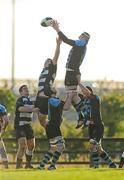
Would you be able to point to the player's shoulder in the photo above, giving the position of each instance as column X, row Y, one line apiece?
column 19, row 99
column 22, row 100
column 80, row 43
column 96, row 97
column 2, row 108
column 54, row 101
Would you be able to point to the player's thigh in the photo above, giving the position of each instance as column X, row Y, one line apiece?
column 99, row 148
column 42, row 104
column 42, row 119
column 70, row 79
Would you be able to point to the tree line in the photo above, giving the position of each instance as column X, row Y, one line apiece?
column 112, row 108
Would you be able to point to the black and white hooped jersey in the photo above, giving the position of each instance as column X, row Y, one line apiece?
column 22, row 118
column 76, row 54
column 47, row 78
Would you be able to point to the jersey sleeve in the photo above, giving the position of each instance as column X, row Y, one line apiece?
column 19, row 103
column 2, row 110
column 65, row 39
column 71, row 42
column 53, row 67
column 62, row 104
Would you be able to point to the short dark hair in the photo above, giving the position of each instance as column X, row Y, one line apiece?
column 21, row 87
column 86, row 34
column 90, row 89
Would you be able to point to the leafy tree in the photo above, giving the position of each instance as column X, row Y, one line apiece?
column 7, row 98
column 112, row 112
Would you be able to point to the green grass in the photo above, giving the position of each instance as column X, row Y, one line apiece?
column 63, row 174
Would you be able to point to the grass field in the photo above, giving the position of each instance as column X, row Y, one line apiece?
column 63, row 174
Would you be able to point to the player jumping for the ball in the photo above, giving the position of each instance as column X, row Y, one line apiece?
column 45, row 84
column 74, row 61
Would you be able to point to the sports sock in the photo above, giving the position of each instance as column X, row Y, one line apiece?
column 46, row 158
column 95, row 158
column 3, row 153
column 106, row 158
column 56, row 156
column 5, row 164
column 18, row 163
column 28, row 160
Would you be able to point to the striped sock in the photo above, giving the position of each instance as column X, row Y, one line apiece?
column 46, row 158
column 106, row 158
column 3, row 153
column 28, row 160
column 95, row 158
column 56, row 156
column 18, row 163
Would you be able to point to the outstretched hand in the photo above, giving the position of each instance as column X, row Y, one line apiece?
column 55, row 25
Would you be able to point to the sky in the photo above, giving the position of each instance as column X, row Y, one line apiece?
column 102, row 19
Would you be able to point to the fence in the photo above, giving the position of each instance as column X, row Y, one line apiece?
column 76, row 151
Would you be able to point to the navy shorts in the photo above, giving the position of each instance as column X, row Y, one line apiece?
column 96, row 133
column 71, row 78
column 24, row 131
column 42, row 104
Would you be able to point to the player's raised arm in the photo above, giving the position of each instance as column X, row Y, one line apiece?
column 68, row 100
column 57, row 50
column 64, row 38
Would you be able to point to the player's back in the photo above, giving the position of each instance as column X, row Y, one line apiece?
column 55, row 107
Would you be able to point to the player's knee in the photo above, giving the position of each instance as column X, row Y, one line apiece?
column 31, row 144
column 29, row 152
column 22, row 144
column 31, row 147
column 21, row 152
column 92, row 148
column 100, row 149
column 53, row 149
column 60, row 147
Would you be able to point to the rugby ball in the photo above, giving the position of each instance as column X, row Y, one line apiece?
column 46, row 22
